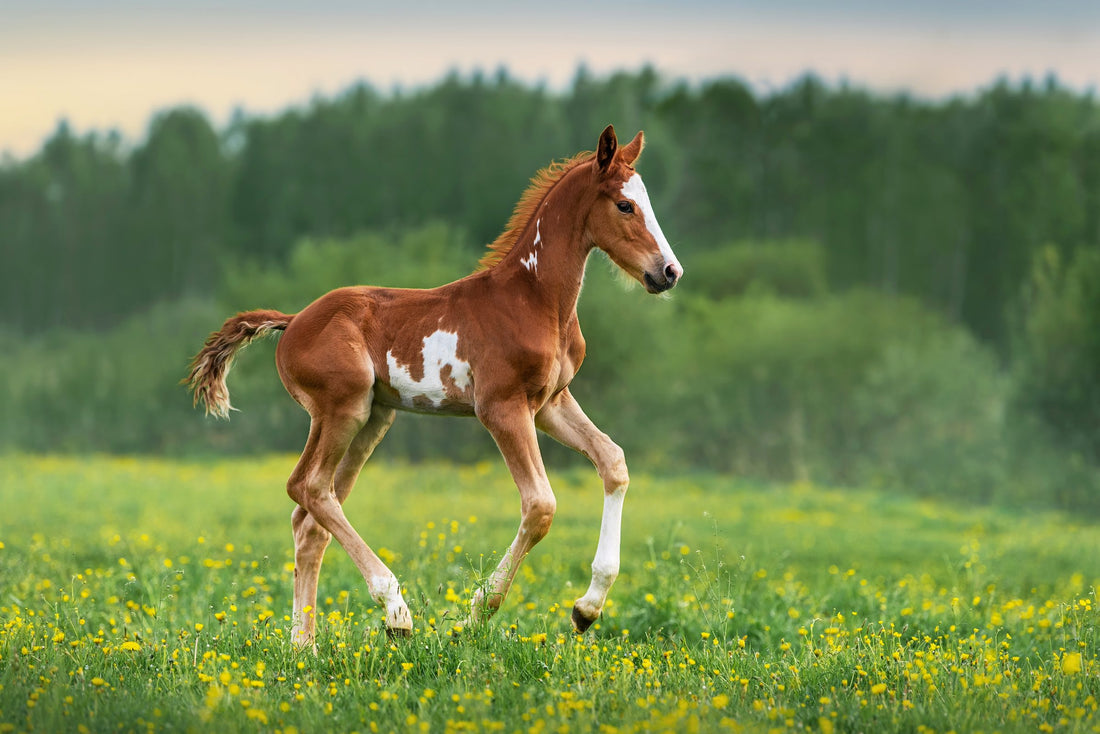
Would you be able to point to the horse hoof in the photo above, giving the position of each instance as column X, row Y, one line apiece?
column 580, row 622
column 394, row 633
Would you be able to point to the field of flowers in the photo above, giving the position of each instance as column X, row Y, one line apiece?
column 152, row 595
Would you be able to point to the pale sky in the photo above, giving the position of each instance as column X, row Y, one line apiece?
column 105, row 64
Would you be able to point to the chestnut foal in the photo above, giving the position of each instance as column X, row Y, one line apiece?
column 501, row 344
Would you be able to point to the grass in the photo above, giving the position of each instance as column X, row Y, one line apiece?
column 150, row 595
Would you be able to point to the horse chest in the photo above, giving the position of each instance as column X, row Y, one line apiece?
column 536, row 370
column 567, row 361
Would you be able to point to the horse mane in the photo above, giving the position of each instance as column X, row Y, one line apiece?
column 528, row 203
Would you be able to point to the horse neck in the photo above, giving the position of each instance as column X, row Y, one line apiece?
column 549, row 257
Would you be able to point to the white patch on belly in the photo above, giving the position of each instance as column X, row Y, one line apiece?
column 634, row 189
column 440, row 351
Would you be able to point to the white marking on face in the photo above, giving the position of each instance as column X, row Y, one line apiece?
column 531, row 262
column 440, row 351
column 634, row 189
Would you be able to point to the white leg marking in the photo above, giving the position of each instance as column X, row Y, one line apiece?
column 634, row 189
column 605, row 566
column 440, row 351
column 386, row 590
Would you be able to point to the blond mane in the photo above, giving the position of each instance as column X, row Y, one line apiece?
column 540, row 186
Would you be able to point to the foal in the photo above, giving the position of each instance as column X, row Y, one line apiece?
column 501, row 344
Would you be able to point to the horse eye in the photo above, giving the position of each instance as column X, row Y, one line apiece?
column 626, row 207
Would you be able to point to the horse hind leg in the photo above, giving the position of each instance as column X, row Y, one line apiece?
column 322, row 479
column 311, row 539
column 310, row 542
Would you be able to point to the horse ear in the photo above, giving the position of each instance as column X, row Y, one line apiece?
column 605, row 151
column 630, row 152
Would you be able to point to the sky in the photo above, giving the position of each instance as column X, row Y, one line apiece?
column 111, row 64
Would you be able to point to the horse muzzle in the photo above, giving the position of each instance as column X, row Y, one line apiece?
column 663, row 279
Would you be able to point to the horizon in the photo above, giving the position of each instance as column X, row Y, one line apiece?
column 131, row 137
column 116, row 65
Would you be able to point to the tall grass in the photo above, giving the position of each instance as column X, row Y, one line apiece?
column 154, row 595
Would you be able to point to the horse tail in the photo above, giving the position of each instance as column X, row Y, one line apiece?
column 209, row 368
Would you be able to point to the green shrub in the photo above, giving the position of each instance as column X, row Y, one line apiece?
column 930, row 417
column 787, row 268
column 423, row 257
column 114, row 391
column 852, row 388
column 1057, row 349
column 858, row 387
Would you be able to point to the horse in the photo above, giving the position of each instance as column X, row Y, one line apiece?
column 501, row 344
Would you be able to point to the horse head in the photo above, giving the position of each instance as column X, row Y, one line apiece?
column 622, row 222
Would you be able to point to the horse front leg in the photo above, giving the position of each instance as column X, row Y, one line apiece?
column 513, row 428
column 563, row 420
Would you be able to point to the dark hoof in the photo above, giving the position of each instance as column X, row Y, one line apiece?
column 580, row 622
column 394, row 633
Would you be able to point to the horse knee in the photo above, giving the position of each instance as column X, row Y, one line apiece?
column 538, row 516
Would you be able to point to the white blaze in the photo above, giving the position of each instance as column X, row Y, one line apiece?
column 634, row 189
column 440, row 351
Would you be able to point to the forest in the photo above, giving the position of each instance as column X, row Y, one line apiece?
column 880, row 290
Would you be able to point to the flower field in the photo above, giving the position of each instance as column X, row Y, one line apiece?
column 153, row 595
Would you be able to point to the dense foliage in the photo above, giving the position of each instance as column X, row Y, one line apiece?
column 880, row 290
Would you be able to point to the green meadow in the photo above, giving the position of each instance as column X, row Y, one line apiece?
column 154, row 595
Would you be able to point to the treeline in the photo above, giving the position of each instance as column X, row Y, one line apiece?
column 880, row 291
column 943, row 201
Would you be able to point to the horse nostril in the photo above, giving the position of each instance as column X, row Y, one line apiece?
column 673, row 272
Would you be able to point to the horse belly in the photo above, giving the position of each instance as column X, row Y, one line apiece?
column 431, row 402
